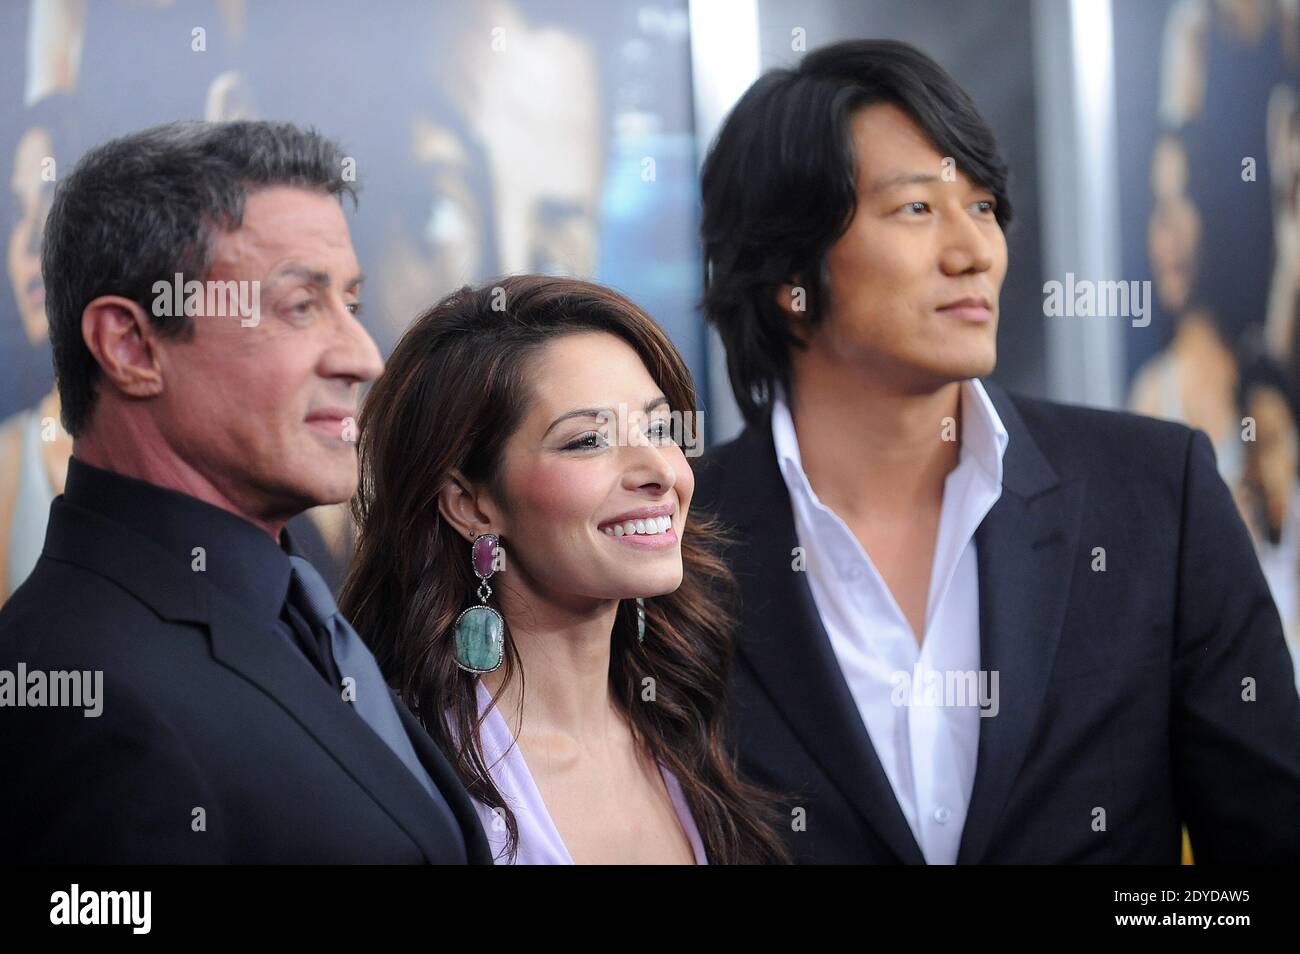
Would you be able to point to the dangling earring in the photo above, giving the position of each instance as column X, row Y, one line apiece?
column 640, row 620
column 480, row 631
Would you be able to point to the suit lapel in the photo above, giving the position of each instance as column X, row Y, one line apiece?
column 453, row 790
column 253, row 650
column 1026, row 548
column 277, row 669
column 784, row 642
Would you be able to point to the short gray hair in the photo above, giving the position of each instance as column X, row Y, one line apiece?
column 143, row 207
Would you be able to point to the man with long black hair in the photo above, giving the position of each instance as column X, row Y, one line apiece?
column 976, row 627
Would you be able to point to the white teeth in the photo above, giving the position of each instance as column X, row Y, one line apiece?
column 645, row 527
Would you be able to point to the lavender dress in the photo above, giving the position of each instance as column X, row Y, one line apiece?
column 539, row 842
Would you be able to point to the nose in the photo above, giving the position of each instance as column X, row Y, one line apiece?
column 354, row 354
column 649, row 471
column 968, row 248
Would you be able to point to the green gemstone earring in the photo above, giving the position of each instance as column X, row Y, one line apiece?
column 480, row 631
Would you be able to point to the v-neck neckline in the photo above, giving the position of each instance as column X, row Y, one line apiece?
column 514, row 752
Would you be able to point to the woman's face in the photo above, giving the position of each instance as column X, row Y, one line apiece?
column 594, row 453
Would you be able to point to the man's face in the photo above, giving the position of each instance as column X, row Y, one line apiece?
column 914, row 281
column 266, row 411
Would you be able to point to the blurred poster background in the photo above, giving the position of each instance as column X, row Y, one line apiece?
column 490, row 137
column 1210, row 198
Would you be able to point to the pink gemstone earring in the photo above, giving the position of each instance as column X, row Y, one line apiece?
column 480, row 630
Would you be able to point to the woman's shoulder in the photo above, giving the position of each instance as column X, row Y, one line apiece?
column 539, row 841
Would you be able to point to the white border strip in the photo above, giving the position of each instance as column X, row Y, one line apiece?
column 724, row 62
column 1079, row 189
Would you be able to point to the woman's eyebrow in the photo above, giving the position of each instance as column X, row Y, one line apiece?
column 597, row 412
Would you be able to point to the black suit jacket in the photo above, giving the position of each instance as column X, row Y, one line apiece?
column 1120, row 690
column 202, row 708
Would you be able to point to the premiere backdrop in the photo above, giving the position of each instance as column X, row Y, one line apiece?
column 490, row 137
column 1210, row 208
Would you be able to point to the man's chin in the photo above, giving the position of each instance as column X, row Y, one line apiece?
column 321, row 487
column 940, row 374
column 969, row 366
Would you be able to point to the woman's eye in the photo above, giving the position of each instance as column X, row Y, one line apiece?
column 592, row 440
column 915, row 207
column 661, row 431
column 986, row 206
column 355, row 307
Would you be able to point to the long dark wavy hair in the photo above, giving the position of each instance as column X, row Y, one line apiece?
column 451, row 395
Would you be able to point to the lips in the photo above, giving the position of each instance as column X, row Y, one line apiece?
column 330, row 420
column 655, row 533
column 968, row 309
column 640, row 520
column 648, row 527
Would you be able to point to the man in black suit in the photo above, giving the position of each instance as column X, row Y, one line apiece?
column 203, row 298
column 975, row 627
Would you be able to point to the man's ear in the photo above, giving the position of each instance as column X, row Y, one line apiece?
column 463, row 507
column 792, row 299
column 123, row 342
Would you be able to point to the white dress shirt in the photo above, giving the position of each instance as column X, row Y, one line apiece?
column 927, row 750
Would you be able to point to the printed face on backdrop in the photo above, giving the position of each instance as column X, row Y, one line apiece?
column 435, row 240
column 32, row 196
column 1174, row 231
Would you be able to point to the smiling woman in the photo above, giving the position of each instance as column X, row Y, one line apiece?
column 540, row 410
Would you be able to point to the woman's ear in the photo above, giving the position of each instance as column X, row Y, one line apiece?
column 462, row 505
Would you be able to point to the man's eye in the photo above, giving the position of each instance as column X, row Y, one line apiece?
column 987, row 205
column 915, row 207
column 592, row 440
column 356, row 307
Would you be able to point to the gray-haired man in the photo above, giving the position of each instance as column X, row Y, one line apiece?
column 202, row 297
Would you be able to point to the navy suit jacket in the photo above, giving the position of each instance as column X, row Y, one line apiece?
column 203, row 707
column 1123, row 690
